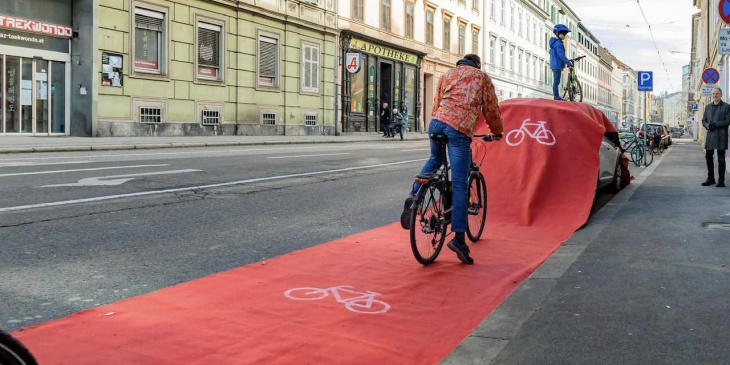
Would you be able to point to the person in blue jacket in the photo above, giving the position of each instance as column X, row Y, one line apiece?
column 558, row 60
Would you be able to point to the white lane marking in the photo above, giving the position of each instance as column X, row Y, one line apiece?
column 217, row 151
column 422, row 149
column 321, row 154
column 30, row 163
column 95, row 181
column 166, row 191
column 77, row 170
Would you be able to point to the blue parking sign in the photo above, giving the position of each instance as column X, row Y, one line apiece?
column 645, row 80
column 694, row 107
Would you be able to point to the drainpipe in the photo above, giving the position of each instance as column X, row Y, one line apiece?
column 334, row 71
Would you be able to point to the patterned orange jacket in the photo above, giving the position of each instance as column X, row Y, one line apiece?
column 463, row 93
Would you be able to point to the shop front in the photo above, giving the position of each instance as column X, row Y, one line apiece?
column 374, row 73
column 35, row 68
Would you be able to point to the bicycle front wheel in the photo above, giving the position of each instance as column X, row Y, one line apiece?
column 476, row 209
column 12, row 352
column 637, row 155
column 577, row 90
column 428, row 228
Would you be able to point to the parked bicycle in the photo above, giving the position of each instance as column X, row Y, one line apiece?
column 432, row 204
column 12, row 352
column 572, row 90
column 640, row 152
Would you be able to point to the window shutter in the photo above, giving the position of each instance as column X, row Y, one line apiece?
column 267, row 57
column 149, row 20
column 307, row 67
column 209, row 45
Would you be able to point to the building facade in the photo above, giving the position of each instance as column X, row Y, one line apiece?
column 516, row 52
column 179, row 67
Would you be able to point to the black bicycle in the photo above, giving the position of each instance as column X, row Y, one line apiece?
column 572, row 90
column 12, row 352
column 432, row 204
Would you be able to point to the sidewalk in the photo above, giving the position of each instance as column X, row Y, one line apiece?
column 26, row 144
column 645, row 282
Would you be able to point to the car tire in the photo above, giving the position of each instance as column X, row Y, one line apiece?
column 615, row 186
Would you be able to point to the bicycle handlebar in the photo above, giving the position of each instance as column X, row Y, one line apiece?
column 489, row 137
column 577, row 58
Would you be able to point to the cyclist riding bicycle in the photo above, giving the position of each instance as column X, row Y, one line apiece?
column 463, row 93
column 558, row 60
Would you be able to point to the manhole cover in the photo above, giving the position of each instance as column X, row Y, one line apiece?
column 716, row 225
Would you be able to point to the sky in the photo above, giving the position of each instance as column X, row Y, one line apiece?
column 621, row 28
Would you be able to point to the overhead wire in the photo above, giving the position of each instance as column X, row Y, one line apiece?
column 655, row 46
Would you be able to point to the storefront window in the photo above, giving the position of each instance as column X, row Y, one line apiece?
column 12, row 94
column 410, row 89
column 396, row 104
column 357, row 92
column 149, row 26
column 371, row 87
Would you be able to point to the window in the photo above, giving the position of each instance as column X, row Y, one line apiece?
column 268, row 118
column 511, row 58
column 462, row 39
column 502, row 18
column 385, row 13
column 268, row 61
column 149, row 41
column 209, row 51
column 358, row 10
column 410, row 6
column 492, row 10
column 519, row 24
column 492, row 49
column 310, row 119
column 310, row 68
column 520, row 53
column 527, row 30
column 447, row 34
column 502, row 54
column 429, row 26
column 475, row 41
column 475, row 5
column 211, row 117
column 150, row 115
column 512, row 18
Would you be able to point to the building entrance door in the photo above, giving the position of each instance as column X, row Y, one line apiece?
column 33, row 96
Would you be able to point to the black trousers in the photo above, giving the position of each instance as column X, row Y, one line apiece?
column 711, row 165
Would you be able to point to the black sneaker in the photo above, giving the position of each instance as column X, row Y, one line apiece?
column 709, row 182
column 720, row 184
column 405, row 217
column 462, row 251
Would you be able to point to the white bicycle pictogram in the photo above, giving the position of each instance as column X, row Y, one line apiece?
column 360, row 302
column 535, row 130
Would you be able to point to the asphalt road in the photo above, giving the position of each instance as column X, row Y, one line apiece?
column 79, row 230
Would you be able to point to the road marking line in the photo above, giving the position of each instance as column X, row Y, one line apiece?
column 216, row 151
column 77, row 170
column 95, row 181
column 321, row 154
column 166, row 191
column 30, row 163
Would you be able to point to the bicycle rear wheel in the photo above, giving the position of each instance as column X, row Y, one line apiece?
column 12, row 352
column 428, row 229
column 637, row 155
column 476, row 209
column 577, row 90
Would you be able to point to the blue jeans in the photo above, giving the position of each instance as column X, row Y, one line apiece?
column 556, row 83
column 459, row 150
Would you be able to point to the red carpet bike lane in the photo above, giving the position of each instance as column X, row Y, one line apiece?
column 326, row 304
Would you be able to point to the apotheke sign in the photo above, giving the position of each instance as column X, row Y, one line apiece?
column 35, row 26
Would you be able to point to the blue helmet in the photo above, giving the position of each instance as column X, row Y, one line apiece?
column 561, row 28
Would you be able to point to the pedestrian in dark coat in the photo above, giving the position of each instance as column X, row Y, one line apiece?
column 386, row 121
column 716, row 120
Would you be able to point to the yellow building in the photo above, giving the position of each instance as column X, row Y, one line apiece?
column 199, row 67
column 159, row 67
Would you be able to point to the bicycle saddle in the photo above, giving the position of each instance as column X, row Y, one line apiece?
column 439, row 137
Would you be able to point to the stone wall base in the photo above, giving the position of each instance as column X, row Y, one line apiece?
column 126, row 129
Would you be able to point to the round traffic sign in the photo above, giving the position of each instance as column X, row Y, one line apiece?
column 711, row 75
column 724, row 10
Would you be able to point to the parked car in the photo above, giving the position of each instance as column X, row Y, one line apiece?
column 609, row 172
column 663, row 129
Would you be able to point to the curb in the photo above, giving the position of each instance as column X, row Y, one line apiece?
column 150, row 145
